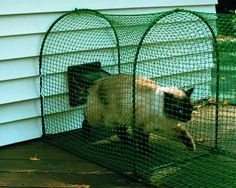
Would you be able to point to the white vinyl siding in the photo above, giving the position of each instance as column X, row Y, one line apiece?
column 19, row 68
column 23, row 25
column 48, row 6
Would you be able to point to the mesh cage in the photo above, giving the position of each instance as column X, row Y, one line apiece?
column 151, row 96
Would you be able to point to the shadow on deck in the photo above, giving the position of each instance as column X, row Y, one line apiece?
column 39, row 164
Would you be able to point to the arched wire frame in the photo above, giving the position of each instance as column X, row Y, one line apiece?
column 78, row 12
column 215, row 48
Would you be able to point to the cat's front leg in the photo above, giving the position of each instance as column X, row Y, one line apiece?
column 185, row 137
column 122, row 133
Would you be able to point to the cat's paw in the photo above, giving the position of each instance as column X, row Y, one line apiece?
column 189, row 143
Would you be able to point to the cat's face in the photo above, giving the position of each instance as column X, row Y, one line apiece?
column 178, row 106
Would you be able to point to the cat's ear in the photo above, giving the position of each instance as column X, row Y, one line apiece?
column 168, row 95
column 189, row 92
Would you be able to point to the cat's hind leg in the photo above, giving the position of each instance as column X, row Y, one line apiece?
column 86, row 129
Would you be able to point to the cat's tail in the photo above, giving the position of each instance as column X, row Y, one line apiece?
column 102, row 92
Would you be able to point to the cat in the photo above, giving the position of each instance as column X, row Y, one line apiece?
column 162, row 109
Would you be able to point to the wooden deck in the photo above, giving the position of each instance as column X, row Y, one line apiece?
column 39, row 164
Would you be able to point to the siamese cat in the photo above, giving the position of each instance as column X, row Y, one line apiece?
column 162, row 109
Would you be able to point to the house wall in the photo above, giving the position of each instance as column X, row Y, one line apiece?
column 23, row 25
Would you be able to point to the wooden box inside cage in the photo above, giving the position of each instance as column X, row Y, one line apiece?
column 123, row 57
column 80, row 78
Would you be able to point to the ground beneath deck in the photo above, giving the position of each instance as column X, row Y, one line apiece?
column 39, row 164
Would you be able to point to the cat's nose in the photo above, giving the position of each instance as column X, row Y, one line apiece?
column 186, row 118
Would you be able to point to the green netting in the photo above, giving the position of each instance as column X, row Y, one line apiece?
column 123, row 58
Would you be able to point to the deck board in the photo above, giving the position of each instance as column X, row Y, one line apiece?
column 54, row 168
